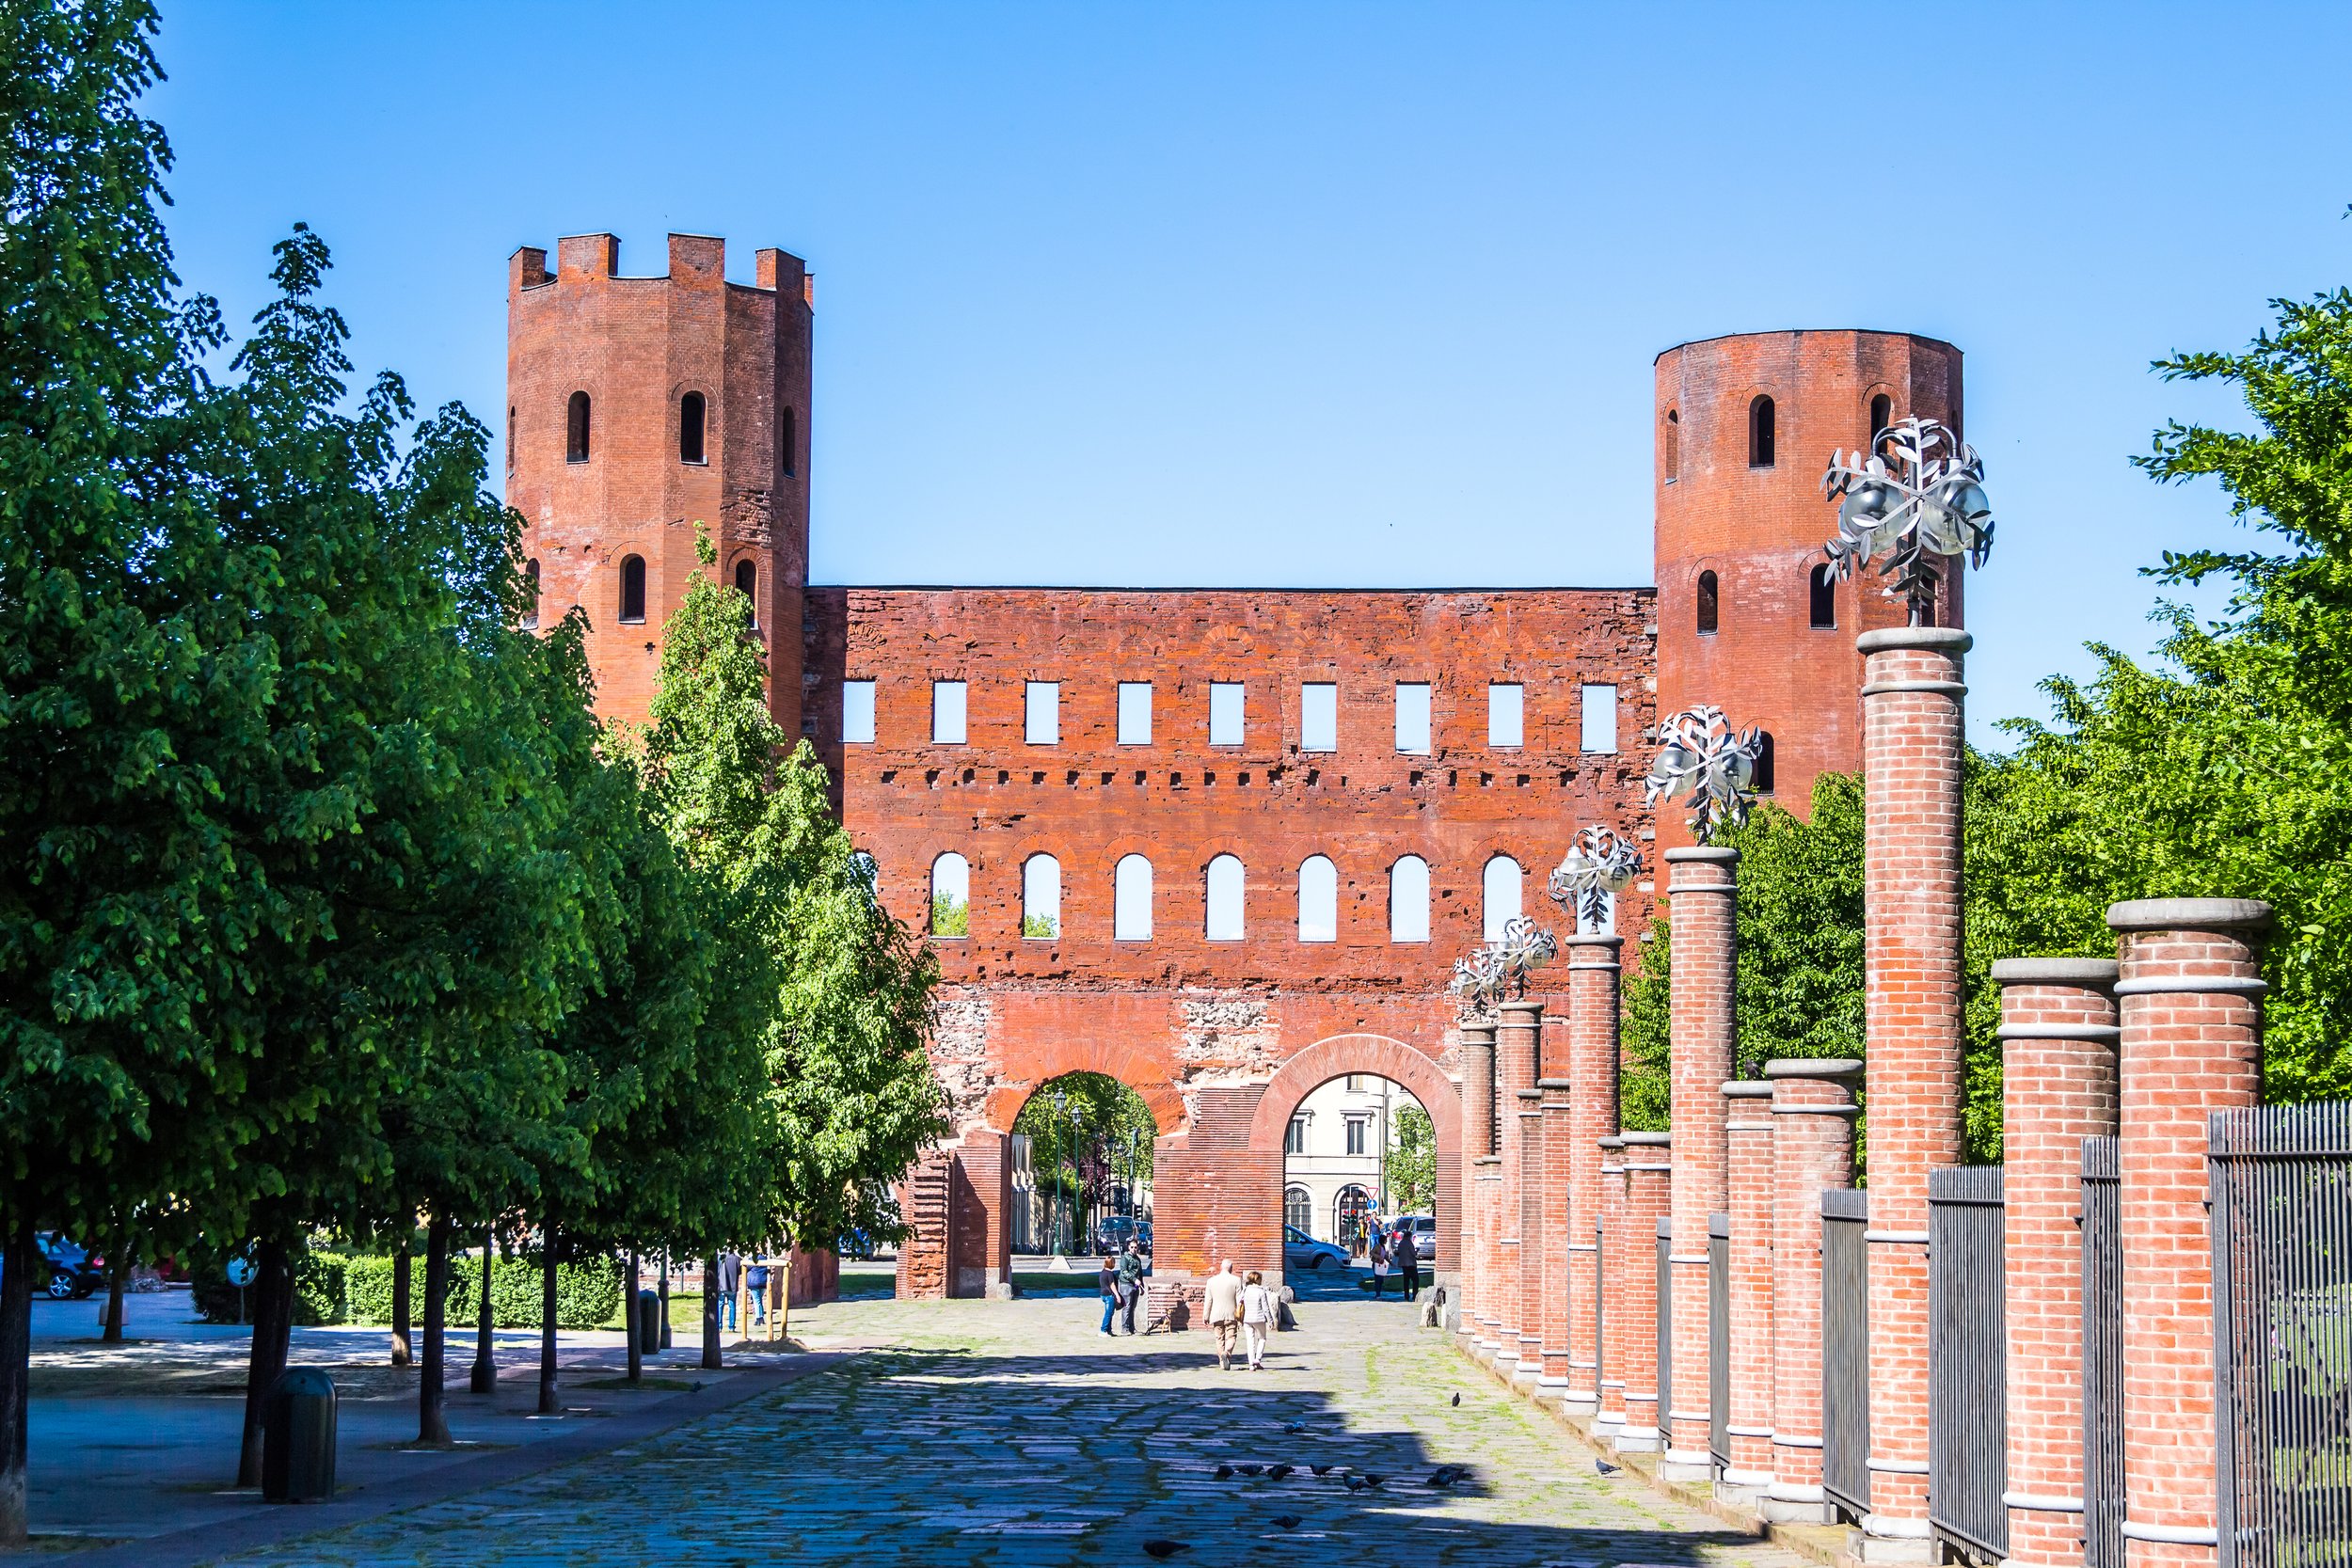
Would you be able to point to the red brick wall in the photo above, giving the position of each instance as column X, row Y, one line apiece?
column 1813, row 1116
column 1609, row 1358
column 1648, row 1198
column 1748, row 1200
column 1701, row 893
column 1760, row 530
column 1592, row 1073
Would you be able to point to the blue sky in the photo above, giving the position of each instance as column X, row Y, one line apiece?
column 1358, row 294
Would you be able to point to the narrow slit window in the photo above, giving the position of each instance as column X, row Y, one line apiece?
column 1131, row 899
column 1762, row 783
column 576, row 429
column 857, row 713
column 530, row 581
column 1882, row 415
column 1670, row 446
column 632, row 591
column 1135, row 713
column 1318, row 900
column 1501, row 887
column 1710, row 605
column 1040, row 719
column 1224, row 899
column 947, row 713
column 1599, row 721
column 510, row 437
column 1041, row 898
column 951, row 896
column 1319, row 717
column 1506, row 714
column 788, row 441
column 1412, row 717
column 747, row 584
column 1822, row 598
column 690, row 428
column 1409, row 900
column 1762, row 435
column 1225, row 713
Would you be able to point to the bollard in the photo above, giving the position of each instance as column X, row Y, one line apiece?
column 298, row 1439
column 648, row 1323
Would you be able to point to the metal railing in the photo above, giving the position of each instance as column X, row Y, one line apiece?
column 1719, row 1338
column 2280, row 1189
column 2102, row 1356
column 1967, row 1375
column 1845, row 1349
column 1665, row 1328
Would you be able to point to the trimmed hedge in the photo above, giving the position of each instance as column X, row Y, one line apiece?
column 331, row 1287
column 319, row 1291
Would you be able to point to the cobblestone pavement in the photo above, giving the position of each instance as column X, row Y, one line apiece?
column 1013, row 1433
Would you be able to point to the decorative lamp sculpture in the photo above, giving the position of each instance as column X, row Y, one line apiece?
column 1704, row 762
column 1597, row 867
column 1498, row 972
column 1914, row 497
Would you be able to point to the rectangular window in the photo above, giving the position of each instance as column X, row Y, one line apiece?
column 1506, row 714
column 1043, row 726
column 946, row 713
column 1135, row 713
column 1319, row 717
column 1225, row 713
column 1600, row 718
column 1412, row 716
column 1294, row 1137
column 1355, row 1083
column 1356, row 1125
column 857, row 713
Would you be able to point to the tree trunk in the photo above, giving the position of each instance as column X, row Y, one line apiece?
column 273, row 1333
column 779, row 1321
column 485, row 1361
column 22, row 1259
column 117, row 1274
column 628, row 1316
column 713, row 1359
column 665, row 1300
column 432, row 1415
column 402, row 1352
column 546, row 1324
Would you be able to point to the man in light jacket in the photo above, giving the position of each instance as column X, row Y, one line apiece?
column 1224, row 1304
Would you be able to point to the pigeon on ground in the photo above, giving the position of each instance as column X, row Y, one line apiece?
column 1371, row 1480
column 1458, row 1399
column 1355, row 1484
column 1444, row 1474
column 1276, row 1472
column 1165, row 1548
column 1323, row 1469
column 1295, row 1427
column 1225, row 1472
column 1250, row 1470
column 1605, row 1467
column 1288, row 1521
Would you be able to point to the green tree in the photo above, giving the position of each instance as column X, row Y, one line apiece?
column 1412, row 1162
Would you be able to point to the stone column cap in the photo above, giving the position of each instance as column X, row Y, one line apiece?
column 1949, row 638
column 1524, row 1003
column 1748, row 1088
column 2054, row 971
column 1655, row 1140
column 2188, row 915
column 1529, row 1094
column 1466, row 1030
column 1721, row 854
column 1612, row 1141
column 1812, row 1067
column 1543, row 1083
column 1595, row 940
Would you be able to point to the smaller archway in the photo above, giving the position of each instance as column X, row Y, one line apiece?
column 1318, row 899
column 1041, row 898
column 1501, row 886
column 951, row 896
column 1131, row 899
column 1081, row 1178
column 1408, row 899
column 1224, row 880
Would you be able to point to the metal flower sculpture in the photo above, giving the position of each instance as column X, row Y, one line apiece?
column 1597, row 866
column 1498, row 971
column 1915, row 496
column 1703, row 761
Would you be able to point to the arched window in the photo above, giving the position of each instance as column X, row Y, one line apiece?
column 1762, row 783
column 632, row 590
column 690, row 428
column 1298, row 1208
column 530, row 581
column 1670, row 445
column 1409, row 900
column 1822, row 595
column 788, row 429
column 576, row 429
column 747, row 584
column 951, row 896
column 1761, row 433
column 1040, row 897
column 863, row 868
column 1318, row 900
column 1882, row 415
column 1709, row 610
column 1500, row 886
column 1225, row 899
column 1131, row 899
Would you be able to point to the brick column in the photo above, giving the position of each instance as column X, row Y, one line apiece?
column 2190, row 999
column 1551, row 1229
column 1749, row 1186
column 1529, row 1287
column 1813, row 1116
column 1911, row 751
column 1700, row 900
column 1488, row 1196
column 1649, row 1165
column 1478, row 1120
column 2058, row 1087
column 1592, row 1075
column 1515, row 1045
column 1609, row 1351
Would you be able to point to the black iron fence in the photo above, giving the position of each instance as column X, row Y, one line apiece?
column 1967, row 1372
column 2102, row 1356
column 1719, row 1338
column 1665, row 1328
column 1846, row 1350
column 2282, row 1200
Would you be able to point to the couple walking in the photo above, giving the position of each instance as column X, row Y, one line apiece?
column 1120, row 1281
column 1243, row 1305
column 1393, row 1253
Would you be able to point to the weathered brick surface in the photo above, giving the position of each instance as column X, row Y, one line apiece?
column 1591, row 1074
column 1478, row 1120
column 1551, row 1233
column 1632, row 1311
column 1749, row 1189
column 1700, row 904
column 2188, row 997
column 1516, row 1048
column 1760, row 531
column 2058, row 1087
column 1911, row 959
column 1610, row 1266
column 1813, row 1116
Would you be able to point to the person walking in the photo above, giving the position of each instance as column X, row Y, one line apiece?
column 730, row 1282
column 755, row 1282
column 1107, row 1282
column 1130, row 1283
column 1223, row 1300
column 1408, row 1259
column 1379, row 1264
column 1257, row 1317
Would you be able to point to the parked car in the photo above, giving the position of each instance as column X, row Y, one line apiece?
column 73, row 1273
column 1423, row 1229
column 1302, row 1251
column 1111, row 1233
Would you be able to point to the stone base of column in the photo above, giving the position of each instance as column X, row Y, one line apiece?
column 1688, row 1467
column 1900, row 1541
column 1552, row 1390
column 1002, row 1291
column 1633, row 1438
column 1786, row 1503
column 1605, row 1430
column 1742, row 1488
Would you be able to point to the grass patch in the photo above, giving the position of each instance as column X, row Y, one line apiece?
column 661, row 1385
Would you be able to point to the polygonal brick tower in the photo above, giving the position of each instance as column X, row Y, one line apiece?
column 1746, row 617
column 640, row 407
